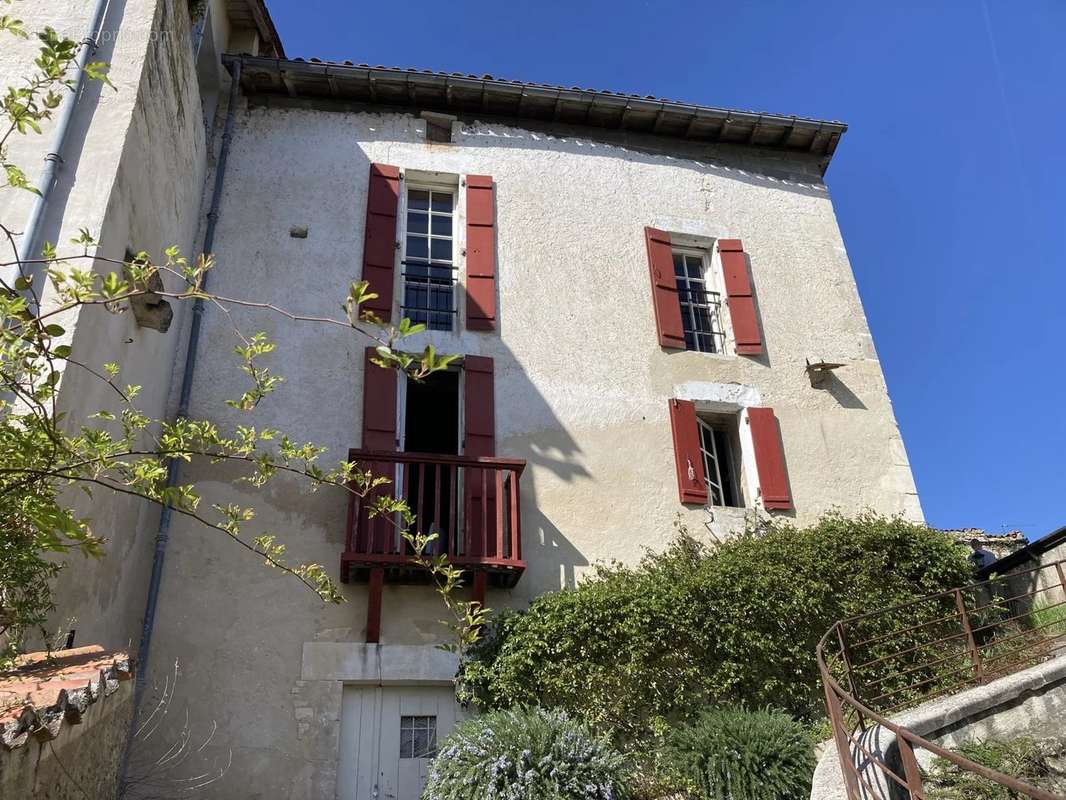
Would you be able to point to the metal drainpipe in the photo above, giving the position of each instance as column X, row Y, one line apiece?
column 32, row 231
column 173, row 467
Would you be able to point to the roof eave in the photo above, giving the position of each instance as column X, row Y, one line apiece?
column 471, row 94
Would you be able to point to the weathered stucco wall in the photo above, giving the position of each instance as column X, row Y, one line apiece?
column 132, row 175
column 581, row 390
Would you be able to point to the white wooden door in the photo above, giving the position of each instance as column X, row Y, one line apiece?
column 388, row 735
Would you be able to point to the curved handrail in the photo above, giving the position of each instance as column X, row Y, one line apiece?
column 833, row 650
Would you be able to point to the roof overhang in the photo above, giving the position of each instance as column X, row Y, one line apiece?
column 468, row 94
column 254, row 14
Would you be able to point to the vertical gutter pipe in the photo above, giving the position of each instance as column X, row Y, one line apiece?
column 173, row 466
column 31, row 234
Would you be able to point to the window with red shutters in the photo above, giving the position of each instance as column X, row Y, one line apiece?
column 480, row 254
column 379, row 237
column 747, row 334
column 769, row 458
column 691, row 485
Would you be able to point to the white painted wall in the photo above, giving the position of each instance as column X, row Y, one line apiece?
column 132, row 175
column 581, row 389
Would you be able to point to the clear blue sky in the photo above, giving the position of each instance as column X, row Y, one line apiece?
column 950, row 185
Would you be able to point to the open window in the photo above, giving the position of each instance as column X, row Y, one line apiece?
column 430, row 423
column 720, row 455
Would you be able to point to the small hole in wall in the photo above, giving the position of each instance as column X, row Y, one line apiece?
column 298, row 231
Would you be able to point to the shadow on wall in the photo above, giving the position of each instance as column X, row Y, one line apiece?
column 528, row 428
column 541, row 439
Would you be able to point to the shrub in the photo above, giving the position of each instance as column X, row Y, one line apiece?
column 526, row 754
column 634, row 649
column 731, row 753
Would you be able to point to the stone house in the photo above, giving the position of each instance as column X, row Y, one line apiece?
column 656, row 318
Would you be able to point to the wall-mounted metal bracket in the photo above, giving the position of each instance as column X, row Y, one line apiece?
column 818, row 370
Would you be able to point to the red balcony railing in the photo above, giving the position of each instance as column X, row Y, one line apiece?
column 472, row 504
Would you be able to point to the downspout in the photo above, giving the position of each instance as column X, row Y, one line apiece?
column 32, row 230
column 173, row 467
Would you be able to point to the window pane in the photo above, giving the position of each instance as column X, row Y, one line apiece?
column 418, row 737
column 441, row 250
column 695, row 266
column 442, row 226
column 417, row 247
column 442, row 201
column 418, row 199
column 679, row 264
column 417, row 222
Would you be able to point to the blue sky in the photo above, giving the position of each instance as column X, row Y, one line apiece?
column 950, row 185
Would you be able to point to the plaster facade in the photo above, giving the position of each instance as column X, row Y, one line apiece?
column 581, row 390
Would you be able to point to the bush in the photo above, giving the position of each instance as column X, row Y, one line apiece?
column 526, row 754
column 635, row 649
column 734, row 754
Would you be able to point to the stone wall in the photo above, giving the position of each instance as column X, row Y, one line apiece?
column 63, row 726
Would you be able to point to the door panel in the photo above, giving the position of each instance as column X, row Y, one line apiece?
column 371, row 763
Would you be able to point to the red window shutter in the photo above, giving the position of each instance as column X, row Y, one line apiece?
column 480, row 254
column 379, row 405
column 690, row 483
column 769, row 458
column 379, row 244
column 746, row 331
column 479, row 413
column 375, row 533
column 664, row 289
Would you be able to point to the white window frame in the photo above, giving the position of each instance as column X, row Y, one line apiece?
column 441, row 184
column 711, row 285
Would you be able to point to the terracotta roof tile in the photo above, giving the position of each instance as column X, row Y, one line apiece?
column 47, row 689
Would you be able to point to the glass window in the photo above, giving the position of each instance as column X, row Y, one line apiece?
column 428, row 266
column 700, row 307
column 418, row 737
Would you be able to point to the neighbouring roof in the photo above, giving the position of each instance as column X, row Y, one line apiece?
column 44, row 692
column 1031, row 552
column 254, row 14
column 460, row 93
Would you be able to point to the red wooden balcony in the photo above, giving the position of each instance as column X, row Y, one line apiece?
column 472, row 504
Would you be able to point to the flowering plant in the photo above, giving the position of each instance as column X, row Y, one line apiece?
column 526, row 754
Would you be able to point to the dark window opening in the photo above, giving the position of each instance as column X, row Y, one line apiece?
column 719, row 447
column 431, row 425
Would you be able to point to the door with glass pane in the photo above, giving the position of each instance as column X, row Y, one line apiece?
column 389, row 736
